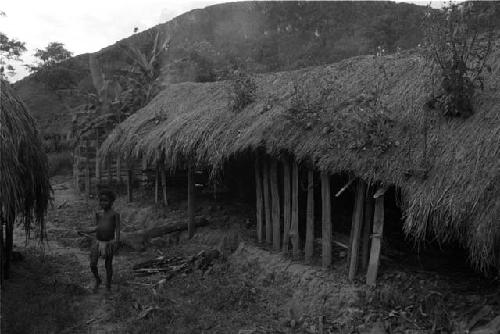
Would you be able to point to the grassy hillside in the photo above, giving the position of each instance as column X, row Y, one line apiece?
column 208, row 44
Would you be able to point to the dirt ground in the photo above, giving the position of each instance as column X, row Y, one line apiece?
column 250, row 290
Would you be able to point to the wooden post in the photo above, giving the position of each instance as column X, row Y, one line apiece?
column 130, row 181
column 275, row 205
column 258, row 198
column 157, row 183
column 378, row 228
column 191, row 200
column 357, row 221
column 164, row 183
column 367, row 227
column 287, row 213
column 87, row 169
column 110, row 176
column 97, row 159
column 294, row 226
column 119, row 169
column 309, row 247
column 326, row 230
column 267, row 201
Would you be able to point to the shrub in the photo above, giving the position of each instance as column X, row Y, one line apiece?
column 243, row 91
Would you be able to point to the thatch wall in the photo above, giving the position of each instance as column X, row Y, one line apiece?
column 363, row 115
column 25, row 190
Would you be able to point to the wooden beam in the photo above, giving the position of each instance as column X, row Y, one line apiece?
column 326, row 209
column 378, row 228
column 275, row 198
column 294, row 226
column 157, row 183
column 191, row 200
column 367, row 227
column 130, row 182
column 258, row 198
column 357, row 221
column 267, row 200
column 287, row 209
column 309, row 247
column 164, row 183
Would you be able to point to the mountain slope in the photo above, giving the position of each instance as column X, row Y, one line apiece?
column 208, row 44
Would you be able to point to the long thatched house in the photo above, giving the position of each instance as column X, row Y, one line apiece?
column 364, row 116
column 25, row 189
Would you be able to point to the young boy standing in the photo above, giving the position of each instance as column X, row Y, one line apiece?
column 107, row 237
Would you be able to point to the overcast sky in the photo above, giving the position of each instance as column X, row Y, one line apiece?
column 89, row 25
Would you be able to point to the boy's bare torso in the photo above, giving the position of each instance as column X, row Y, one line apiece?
column 106, row 225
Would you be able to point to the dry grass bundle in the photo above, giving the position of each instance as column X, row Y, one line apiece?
column 25, row 190
column 447, row 169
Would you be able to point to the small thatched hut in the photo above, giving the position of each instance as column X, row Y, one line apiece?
column 364, row 116
column 25, row 190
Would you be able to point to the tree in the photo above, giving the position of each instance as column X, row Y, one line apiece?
column 458, row 41
column 10, row 51
column 50, row 69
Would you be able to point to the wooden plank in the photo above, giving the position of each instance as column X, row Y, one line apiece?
column 367, row 227
column 287, row 208
column 164, row 183
column 258, row 198
column 267, row 200
column 309, row 247
column 275, row 199
column 294, row 226
column 191, row 200
column 326, row 221
column 378, row 229
column 357, row 221
column 157, row 183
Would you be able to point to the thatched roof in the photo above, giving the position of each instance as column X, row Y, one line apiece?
column 25, row 190
column 352, row 117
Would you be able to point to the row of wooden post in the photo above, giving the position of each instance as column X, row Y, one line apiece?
column 363, row 254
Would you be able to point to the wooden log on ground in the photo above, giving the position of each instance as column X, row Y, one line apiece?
column 357, row 221
column 294, row 226
column 276, row 217
column 258, row 199
column 138, row 239
column 267, row 200
column 309, row 246
column 326, row 221
column 164, row 184
column 367, row 228
column 287, row 209
column 378, row 228
column 191, row 200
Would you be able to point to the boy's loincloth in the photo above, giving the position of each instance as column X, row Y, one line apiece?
column 102, row 249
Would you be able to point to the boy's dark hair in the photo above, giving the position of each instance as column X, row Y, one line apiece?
column 109, row 193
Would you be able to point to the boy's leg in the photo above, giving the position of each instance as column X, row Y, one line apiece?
column 94, row 258
column 108, row 262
